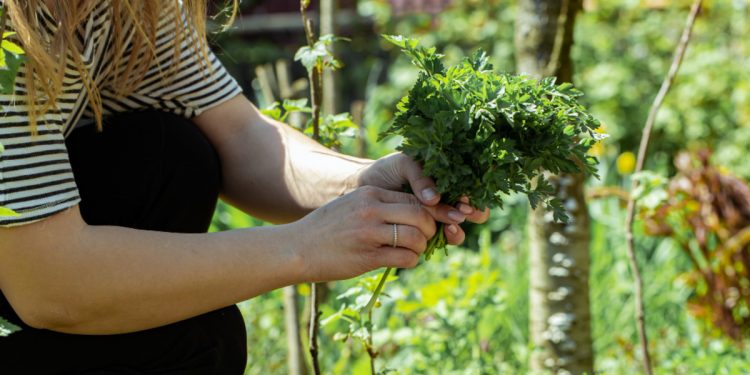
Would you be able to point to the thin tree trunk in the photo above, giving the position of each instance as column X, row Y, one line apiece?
column 296, row 359
column 328, row 26
column 560, row 322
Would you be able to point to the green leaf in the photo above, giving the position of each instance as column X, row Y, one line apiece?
column 7, row 212
column 319, row 54
column 6, row 327
column 12, row 47
column 273, row 111
column 340, row 336
column 298, row 105
column 9, row 66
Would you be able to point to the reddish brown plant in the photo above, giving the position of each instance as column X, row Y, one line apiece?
column 708, row 213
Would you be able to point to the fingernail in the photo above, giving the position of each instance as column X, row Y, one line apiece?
column 456, row 216
column 428, row 194
column 452, row 228
column 466, row 209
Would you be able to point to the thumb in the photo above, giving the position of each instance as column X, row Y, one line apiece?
column 422, row 186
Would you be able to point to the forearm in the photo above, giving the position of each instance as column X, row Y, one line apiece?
column 271, row 170
column 104, row 280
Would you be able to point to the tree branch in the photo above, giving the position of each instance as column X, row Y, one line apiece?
column 642, row 151
column 316, row 97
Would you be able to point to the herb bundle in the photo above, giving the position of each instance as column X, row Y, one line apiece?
column 483, row 134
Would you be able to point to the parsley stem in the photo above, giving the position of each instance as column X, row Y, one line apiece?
column 437, row 241
column 378, row 290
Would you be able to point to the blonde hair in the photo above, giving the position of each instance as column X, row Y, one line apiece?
column 46, row 58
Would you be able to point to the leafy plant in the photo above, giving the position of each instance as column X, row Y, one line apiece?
column 11, row 57
column 707, row 213
column 330, row 128
column 360, row 323
column 485, row 135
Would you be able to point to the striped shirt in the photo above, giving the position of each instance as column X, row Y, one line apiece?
column 36, row 179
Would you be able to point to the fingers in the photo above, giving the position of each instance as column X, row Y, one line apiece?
column 404, row 208
column 446, row 214
column 412, row 216
column 479, row 217
column 390, row 196
column 407, row 237
column 454, row 234
column 472, row 214
column 396, row 257
column 401, row 208
column 440, row 212
column 422, row 186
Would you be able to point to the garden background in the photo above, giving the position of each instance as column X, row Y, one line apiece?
column 469, row 312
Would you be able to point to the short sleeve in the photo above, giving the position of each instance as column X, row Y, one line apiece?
column 36, row 180
column 184, row 85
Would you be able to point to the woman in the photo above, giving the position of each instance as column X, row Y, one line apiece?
column 108, row 268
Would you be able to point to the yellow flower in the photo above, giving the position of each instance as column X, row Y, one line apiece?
column 597, row 149
column 626, row 163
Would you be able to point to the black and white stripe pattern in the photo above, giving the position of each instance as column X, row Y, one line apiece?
column 35, row 175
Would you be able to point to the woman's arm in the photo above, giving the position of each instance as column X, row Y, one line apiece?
column 274, row 172
column 64, row 275
column 270, row 170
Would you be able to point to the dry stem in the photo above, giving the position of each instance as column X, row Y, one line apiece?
column 642, row 151
column 316, row 96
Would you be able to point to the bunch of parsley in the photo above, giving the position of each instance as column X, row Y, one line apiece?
column 483, row 134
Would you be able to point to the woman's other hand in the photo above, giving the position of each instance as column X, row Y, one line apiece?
column 393, row 171
column 354, row 234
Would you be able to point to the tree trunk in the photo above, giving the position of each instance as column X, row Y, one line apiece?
column 560, row 322
column 296, row 359
column 328, row 26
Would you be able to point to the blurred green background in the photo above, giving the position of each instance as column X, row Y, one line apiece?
column 467, row 313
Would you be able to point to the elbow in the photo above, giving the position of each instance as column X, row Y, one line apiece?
column 44, row 313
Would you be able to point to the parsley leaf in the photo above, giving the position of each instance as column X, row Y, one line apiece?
column 484, row 134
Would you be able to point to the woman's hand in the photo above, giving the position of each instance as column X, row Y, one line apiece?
column 354, row 234
column 393, row 171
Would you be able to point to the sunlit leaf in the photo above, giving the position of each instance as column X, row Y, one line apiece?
column 7, row 212
column 6, row 328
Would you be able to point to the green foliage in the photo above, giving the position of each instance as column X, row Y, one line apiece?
column 622, row 50
column 11, row 57
column 281, row 111
column 355, row 312
column 469, row 314
column 331, row 127
column 485, row 135
column 650, row 192
column 6, row 327
column 319, row 55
